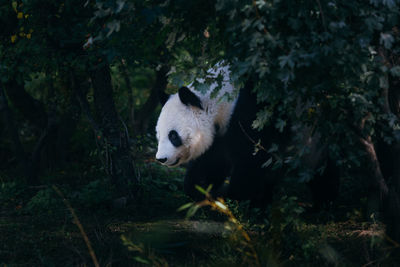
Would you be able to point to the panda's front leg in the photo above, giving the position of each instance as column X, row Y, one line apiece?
column 205, row 172
column 195, row 176
column 250, row 182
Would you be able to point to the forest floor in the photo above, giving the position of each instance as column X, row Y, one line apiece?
column 38, row 229
column 179, row 242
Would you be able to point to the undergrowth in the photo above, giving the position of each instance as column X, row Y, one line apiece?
column 38, row 228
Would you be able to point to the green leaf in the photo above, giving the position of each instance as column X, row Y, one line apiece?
column 141, row 260
column 267, row 163
column 286, row 60
column 201, row 189
column 14, row 5
column 280, row 125
column 395, row 71
column 185, row 206
column 387, row 40
column 209, row 188
column 192, row 211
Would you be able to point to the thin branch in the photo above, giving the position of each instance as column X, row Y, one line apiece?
column 80, row 226
column 258, row 145
column 379, row 179
column 220, row 206
column 126, row 131
column 258, row 16
column 322, row 15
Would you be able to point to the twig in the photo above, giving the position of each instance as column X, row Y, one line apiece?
column 394, row 243
column 127, row 137
column 219, row 205
column 80, row 226
column 370, row 263
column 374, row 163
column 258, row 16
column 258, row 145
column 322, row 15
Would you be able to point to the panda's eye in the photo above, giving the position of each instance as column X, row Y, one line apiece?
column 175, row 138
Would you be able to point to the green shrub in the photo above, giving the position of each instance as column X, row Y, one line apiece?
column 45, row 203
column 97, row 193
column 9, row 193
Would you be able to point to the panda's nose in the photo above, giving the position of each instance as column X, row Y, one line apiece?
column 162, row 160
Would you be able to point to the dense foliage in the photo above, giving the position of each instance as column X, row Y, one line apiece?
column 79, row 89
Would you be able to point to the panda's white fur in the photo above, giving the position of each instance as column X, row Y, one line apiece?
column 196, row 127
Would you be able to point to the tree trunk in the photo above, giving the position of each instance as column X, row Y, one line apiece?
column 392, row 202
column 12, row 130
column 157, row 91
column 377, row 187
column 48, row 134
column 131, row 107
column 30, row 108
column 35, row 113
column 119, row 162
column 68, row 122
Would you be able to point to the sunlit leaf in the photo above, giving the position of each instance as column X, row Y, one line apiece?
column 185, row 206
column 201, row 189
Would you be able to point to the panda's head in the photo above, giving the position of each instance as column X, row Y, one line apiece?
column 184, row 129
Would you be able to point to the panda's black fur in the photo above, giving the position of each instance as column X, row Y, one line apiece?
column 233, row 168
column 232, row 156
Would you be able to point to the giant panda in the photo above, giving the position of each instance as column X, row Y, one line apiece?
column 215, row 140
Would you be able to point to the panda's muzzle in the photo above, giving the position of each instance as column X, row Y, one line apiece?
column 175, row 163
column 163, row 160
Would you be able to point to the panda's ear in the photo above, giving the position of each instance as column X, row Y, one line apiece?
column 188, row 98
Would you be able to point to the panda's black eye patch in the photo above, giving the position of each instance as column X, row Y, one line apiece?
column 175, row 138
